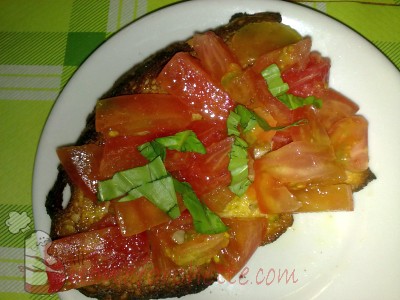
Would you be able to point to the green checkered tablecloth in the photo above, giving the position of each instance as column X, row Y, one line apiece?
column 42, row 43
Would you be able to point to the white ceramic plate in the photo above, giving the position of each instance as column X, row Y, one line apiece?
column 331, row 255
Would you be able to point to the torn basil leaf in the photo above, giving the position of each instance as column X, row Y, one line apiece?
column 204, row 220
column 278, row 88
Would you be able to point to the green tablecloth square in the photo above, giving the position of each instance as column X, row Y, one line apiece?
column 376, row 23
column 80, row 45
column 46, row 16
column 87, row 17
column 32, row 48
column 22, row 124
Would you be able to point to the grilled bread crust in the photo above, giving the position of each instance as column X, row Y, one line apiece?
column 81, row 213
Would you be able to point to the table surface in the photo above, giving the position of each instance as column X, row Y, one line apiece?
column 42, row 43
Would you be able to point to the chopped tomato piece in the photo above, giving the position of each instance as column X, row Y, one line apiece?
column 55, row 276
column 109, row 220
column 325, row 198
column 309, row 81
column 272, row 196
column 217, row 199
column 121, row 153
column 184, row 77
column 176, row 243
column 312, row 131
column 215, row 56
column 291, row 56
column 249, row 88
column 246, row 235
column 209, row 132
column 281, row 138
column 176, row 160
column 138, row 215
column 255, row 39
column 241, row 85
column 198, row 249
column 141, row 114
column 349, row 137
column 259, row 139
column 82, row 165
column 209, row 171
column 335, row 106
column 95, row 256
column 302, row 162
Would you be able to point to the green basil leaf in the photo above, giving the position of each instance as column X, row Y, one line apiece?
column 160, row 192
column 152, row 149
column 276, row 85
column 278, row 88
column 124, row 181
column 293, row 102
column 184, row 141
column 265, row 126
column 232, row 123
column 247, row 118
column 204, row 220
column 238, row 167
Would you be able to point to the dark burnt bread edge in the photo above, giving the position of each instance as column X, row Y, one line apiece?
column 155, row 291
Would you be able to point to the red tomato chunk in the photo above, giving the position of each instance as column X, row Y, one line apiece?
column 95, row 256
column 82, row 165
column 184, row 77
column 141, row 114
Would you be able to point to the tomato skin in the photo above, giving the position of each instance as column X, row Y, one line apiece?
column 176, row 160
column 55, row 276
column 313, row 131
column 241, row 86
column 246, row 235
column 292, row 56
column 349, row 137
column 192, row 248
column 82, row 165
column 138, row 215
column 109, row 220
column 121, row 153
column 217, row 199
column 184, row 77
column 302, row 162
column 255, row 39
column 209, row 132
column 94, row 256
column 325, row 198
column 335, row 106
column 249, row 88
column 309, row 81
column 200, row 249
column 209, row 171
column 215, row 56
column 141, row 114
column 280, row 139
column 272, row 196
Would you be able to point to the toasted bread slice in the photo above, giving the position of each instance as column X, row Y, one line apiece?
column 82, row 213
